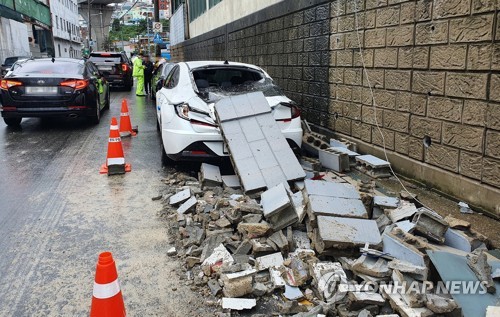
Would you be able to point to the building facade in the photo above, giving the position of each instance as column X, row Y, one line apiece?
column 66, row 28
column 418, row 80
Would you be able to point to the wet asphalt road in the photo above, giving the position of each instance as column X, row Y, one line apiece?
column 57, row 213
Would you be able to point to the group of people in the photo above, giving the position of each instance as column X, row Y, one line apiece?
column 143, row 71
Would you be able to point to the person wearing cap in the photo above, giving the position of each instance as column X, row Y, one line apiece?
column 138, row 73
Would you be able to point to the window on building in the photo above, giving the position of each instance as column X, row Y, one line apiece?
column 59, row 48
column 196, row 8
column 57, row 23
column 211, row 3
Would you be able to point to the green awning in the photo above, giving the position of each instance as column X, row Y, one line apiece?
column 8, row 13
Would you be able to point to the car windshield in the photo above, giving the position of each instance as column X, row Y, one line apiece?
column 225, row 77
column 10, row 60
column 266, row 86
column 106, row 58
column 50, row 68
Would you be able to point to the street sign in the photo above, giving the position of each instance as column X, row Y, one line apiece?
column 157, row 39
column 157, row 27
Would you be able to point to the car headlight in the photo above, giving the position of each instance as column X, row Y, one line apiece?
column 182, row 111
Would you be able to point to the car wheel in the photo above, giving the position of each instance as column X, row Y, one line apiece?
column 158, row 126
column 94, row 119
column 12, row 122
column 107, row 102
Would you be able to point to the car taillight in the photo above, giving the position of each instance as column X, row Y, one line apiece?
column 6, row 84
column 124, row 67
column 182, row 111
column 295, row 112
column 75, row 83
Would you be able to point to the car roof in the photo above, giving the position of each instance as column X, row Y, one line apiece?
column 59, row 59
column 104, row 52
column 196, row 64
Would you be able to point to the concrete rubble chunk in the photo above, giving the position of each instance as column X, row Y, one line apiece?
column 298, row 204
column 244, row 248
column 267, row 261
column 180, row 197
column 382, row 222
column 231, row 181
column 458, row 240
column 330, row 189
column 276, row 278
column 358, row 300
column 254, row 230
column 368, row 265
column 260, row 247
column 496, row 274
column 238, row 284
column 172, row 251
column 406, row 226
column 439, row 304
column 292, row 293
column 219, row 256
column 492, row 311
column 259, row 289
column 251, row 218
column 337, row 232
column 430, row 226
column 210, row 175
column 477, row 261
column 351, row 154
column 456, row 223
column 297, row 272
column 214, row 286
column 334, row 160
column 223, row 223
column 335, row 206
column 417, row 272
column 386, row 202
column 188, row 206
column 404, row 211
column 373, row 166
column 279, row 239
column 324, row 274
column 238, row 303
column 400, row 249
column 275, row 200
column 301, row 240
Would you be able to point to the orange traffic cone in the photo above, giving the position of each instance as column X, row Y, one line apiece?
column 115, row 161
column 107, row 299
column 126, row 128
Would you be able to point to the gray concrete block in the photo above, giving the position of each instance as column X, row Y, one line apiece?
column 259, row 103
column 180, row 197
column 231, row 181
column 283, row 219
column 386, row 202
column 238, row 303
column 323, row 188
column 458, row 240
column 337, row 143
column 263, row 154
column 268, row 261
column 251, row 129
column 430, row 226
column 242, row 106
column 334, row 160
column 404, row 211
column 335, row 206
column 225, row 110
column 372, row 161
column 250, row 175
column 289, row 164
column 274, row 176
column 237, row 142
column 347, row 232
column 188, row 206
column 402, row 250
column 210, row 175
column 274, row 200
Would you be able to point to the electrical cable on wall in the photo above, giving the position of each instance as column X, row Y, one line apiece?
column 374, row 105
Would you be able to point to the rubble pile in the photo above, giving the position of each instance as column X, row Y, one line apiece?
column 318, row 247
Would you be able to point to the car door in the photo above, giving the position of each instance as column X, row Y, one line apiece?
column 163, row 104
column 100, row 84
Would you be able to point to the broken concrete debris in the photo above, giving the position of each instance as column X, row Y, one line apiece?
column 313, row 246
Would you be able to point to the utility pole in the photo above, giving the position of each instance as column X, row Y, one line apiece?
column 156, row 4
column 89, row 30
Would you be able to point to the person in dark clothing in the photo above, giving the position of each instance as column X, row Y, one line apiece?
column 148, row 74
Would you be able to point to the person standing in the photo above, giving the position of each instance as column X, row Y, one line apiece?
column 138, row 73
column 148, row 74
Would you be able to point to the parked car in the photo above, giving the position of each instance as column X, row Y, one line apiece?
column 63, row 87
column 159, row 75
column 115, row 67
column 14, row 66
column 9, row 61
column 185, row 107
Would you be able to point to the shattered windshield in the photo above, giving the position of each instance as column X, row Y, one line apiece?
column 266, row 86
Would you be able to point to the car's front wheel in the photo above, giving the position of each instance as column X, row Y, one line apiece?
column 12, row 122
column 107, row 102
column 165, row 160
column 94, row 119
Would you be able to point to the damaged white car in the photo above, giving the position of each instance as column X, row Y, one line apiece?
column 185, row 107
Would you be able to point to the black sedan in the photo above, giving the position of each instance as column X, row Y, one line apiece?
column 62, row 87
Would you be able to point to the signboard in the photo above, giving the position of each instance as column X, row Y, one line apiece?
column 157, row 39
column 157, row 27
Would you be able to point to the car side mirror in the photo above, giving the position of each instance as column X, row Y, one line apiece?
column 3, row 65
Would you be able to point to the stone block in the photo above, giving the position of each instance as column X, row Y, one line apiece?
column 418, row 104
column 471, row 165
column 238, row 303
column 475, row 28
column 330, row 189
column 370, row 4
column 420, row 127
column 397, row 79
column 398, row 248
column 334, row 160
column 474, row 112
column 345, row 58
column 210, row 175
column 269, row 261
column 435, row 32
column 337, row 42
column 413, row 57
column 493, row 116
column 448, row 56
column 492, row 143
column 375, row 78
column 371, row 266
column 386, row 57
column 375, row 38
column 479, row 6
column 386, row 202
column 466, row 85
column 403, row 211
column 400, row 35
column 396, row 120
column 388, row 16
column 387, row 140
column 352, row 76
column 463, row 136
column 346, row 23
column 416, row 148
column 337, row 232
column 444, row 108
column 428, row 82
column 494, row 84
column 188, row 206
column 385, row 99
column 423, row 10
column 480, row 57
column 231, row 181
column 430, row 226
column 450, row 8
column 442, row 156
column 254, row 230
column 275, row 200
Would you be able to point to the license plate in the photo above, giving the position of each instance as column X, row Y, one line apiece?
column 105, row 68
column 41, row 90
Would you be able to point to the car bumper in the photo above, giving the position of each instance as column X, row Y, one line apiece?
column 47, row 112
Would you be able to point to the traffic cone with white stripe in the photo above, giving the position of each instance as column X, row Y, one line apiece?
column 126, row 128
column 115, row 160
column 107, row 299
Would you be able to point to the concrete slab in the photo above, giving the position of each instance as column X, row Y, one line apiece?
column 298, row 204
column 323, row 188
column 180, row 197
column 231, row 181
column 275, row 200
column 335, row 206
column 372, row 161
column 402, row 251
column 345, row 150
column 301, row 240
column 347, row 232
column 405, row 225
column 430, row 226
column 457, row 239
column 188, row 206
column 386, row 201
column 268, row 261
column 238, row 303
column 405, row 210
column 210, row 175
